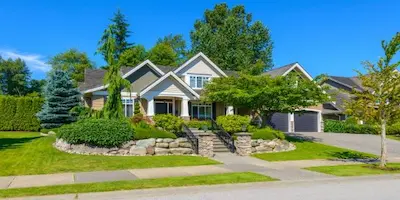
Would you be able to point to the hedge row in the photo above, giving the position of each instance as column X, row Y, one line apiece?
column 335, row 126
column 19, row 113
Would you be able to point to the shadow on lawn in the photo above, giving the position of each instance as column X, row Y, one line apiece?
column 13, row 143
column 295, row 137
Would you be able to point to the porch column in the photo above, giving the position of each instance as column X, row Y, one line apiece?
column 185, row 108
column 150, row 107
column 229, row 110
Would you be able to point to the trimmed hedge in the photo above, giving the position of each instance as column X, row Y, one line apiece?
column 19, row 113
column 394, row 129
column 97, row 132
column 194, row 123
column 233, row 123
column 335, row 126
column 268, row 134
column 146, row 133
column 168, row 122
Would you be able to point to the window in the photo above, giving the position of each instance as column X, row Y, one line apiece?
column 198, row 81
column 127, row 106
column 201, row 110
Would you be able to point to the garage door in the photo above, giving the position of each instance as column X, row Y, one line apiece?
column 280, row 121
column 306, row 122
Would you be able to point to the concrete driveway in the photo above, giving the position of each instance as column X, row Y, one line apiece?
column 360, row 142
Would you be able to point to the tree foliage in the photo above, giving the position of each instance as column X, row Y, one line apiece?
column 380, row 101
column 163, row 54
column 133, row 56
column 60, row 97
column 264, row 94
column 14, row 77
column 74, row 62
column 231, row 39
column 178, row 44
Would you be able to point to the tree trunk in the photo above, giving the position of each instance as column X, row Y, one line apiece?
column 383, row 145
column 266, row 120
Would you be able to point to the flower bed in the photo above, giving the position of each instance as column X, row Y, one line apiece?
column 152, row 146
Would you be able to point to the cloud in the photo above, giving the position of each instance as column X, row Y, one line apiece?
column 33, row 61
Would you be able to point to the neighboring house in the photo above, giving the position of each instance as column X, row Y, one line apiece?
column 177, row 91
column 339, row 89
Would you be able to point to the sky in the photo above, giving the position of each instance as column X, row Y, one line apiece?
column 325, row 37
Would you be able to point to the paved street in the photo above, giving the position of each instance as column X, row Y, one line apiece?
column 366, row 188
column 359, row 142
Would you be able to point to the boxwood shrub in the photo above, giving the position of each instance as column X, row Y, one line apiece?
column 335, row 126
column 268, row 134
column 198, row 123
column 151, row 132
column 233, row 123
column 97, row 132
column 168, row 122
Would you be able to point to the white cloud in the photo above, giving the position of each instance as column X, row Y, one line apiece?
column 33, row 61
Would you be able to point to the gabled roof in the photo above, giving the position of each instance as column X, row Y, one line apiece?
column 350, row 82
column 173, row 75
column 205, row 58
column 144, row 63
column 286, row 69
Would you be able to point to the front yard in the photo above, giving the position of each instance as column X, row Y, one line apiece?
column 26, row 153
column 308, row 150
column 357, row 170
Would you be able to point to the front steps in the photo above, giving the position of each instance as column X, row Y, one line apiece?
column 218, row 145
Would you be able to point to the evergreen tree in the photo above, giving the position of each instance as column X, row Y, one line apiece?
column 14, row 77
column 137, row 108
column 60, row 97
column 121, row 33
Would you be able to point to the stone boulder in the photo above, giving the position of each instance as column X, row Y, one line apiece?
column 138, row 151
column 168, row 140
column 162, row 145
column 185, row 145
column 150, row 150
column 181, row 140
column 161, row 151
column 180, row 151
column 128, row 144
column 173, row 145
column 146, row 143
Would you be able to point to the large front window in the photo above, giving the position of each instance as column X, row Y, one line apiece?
column 201, row 110
column 127, row 106
column 198, row 81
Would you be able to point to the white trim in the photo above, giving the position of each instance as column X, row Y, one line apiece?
column 198, row 75
column 146, row 62
column 123, row 94
column 148, row 88
column 194, row 58
column 298, row 66
column 291, row 119
column 95, row 89
column 341, row 83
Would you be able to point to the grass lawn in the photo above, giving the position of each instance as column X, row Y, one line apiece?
column 308, row 150
column 23, row 153
column 393, row 137
column 242, row 177
column 357, row 170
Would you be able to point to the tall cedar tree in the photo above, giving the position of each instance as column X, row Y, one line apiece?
column 266, row 95
column 74, row 62
column 232, row 40
column 14, row 77
column 380, row 101
column 60, row 97
column 113, row 78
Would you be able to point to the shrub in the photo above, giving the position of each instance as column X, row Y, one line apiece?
column 168, row 122
column 335, row 126
column 233, row 123
column 394, row 129
column 137, row 118
column 268, row 134
column 83, row 112
column 97, row 132
column 194, row 123
column 19, row 113
column 137, row 108
column 151, row 132
column 351, row 120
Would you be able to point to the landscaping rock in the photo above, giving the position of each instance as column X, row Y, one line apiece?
column 254, row 143
column 123, row 151
column 138, row 150
column 168, row 140
column 173, row 145
column 181, row 140
column 185, row 145
column 180, row 151
column 128, row 144
column 150, row 150
column 263, row 149
column 145, row 143
column 162, row 145
column 161, row 151
column 159, row 140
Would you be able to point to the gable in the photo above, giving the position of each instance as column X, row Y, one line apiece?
column 170, row 87
column 200, row 66
column 142, row 77
column 300, row 70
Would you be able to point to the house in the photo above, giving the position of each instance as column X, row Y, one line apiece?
column 339, row 89
column 177, row 91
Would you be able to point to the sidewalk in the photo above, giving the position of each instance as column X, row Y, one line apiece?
column 285, row 171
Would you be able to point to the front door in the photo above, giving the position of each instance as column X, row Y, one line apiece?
column 163, row 107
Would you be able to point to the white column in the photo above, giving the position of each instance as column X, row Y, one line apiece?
column 173, row 106
column 150, row 107
column 230, row 110
column 185, row 107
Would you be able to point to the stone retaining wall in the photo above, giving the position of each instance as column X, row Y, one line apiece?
column 270, row 146
column 152, row 146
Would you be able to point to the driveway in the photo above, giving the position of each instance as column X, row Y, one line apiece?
column 360, row 142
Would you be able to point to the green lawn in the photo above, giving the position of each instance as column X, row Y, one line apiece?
column 307, row 150
column 357, row 170
column 227, row 178
column 393, row 137
column 23, row 153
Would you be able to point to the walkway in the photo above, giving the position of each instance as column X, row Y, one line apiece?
column 285, row 171
column 360, row 142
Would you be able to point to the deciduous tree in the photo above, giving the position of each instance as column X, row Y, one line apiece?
column 133, row 56
column 163, row 54
column 178, row 44
column 380, row 101
column 14, row 77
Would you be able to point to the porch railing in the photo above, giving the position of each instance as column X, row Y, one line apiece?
column 191, row 138
column 225, row 137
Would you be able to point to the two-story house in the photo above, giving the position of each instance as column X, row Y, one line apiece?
column 177, row 91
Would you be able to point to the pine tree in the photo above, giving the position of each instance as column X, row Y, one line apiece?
column 60, row 97
column 121, row 33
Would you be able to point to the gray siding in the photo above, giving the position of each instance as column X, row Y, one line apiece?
column 142, row 78
column 306, row 122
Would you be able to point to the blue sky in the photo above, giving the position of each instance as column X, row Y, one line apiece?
column 330, row 37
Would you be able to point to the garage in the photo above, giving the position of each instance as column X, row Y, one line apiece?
column 306, row 121
column 280, row 121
